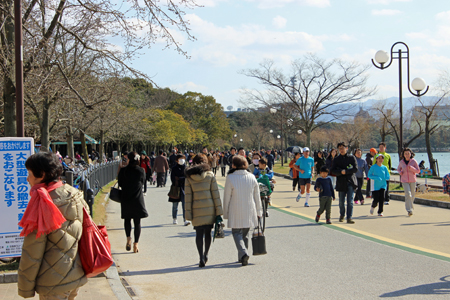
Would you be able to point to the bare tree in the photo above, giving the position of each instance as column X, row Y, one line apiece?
column 433, row 114
column 90, row 23
column 314, row 89
column 390, row 116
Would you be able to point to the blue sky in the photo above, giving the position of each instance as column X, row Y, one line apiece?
column 233, row 35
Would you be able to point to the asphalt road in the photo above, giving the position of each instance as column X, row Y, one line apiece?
column 305, row 260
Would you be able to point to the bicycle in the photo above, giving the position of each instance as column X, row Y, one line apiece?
column 264, row 193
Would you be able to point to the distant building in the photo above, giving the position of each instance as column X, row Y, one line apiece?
column 363, row 114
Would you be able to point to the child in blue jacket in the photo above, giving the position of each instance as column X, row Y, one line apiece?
column 380, row 175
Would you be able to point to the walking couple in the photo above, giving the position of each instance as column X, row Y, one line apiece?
column 241, row 205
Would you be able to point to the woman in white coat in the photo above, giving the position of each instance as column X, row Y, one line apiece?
column 241, row 205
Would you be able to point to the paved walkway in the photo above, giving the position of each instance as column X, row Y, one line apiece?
column 386, row 257
column 95, row 289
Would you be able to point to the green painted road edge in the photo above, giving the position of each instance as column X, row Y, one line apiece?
column 412, row 250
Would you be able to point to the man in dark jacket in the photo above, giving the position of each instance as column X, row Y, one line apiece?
column 270, row 159
column 161, row 167
column 173, row 159
column 230, row 157
column 344, row 167
column 369, row 161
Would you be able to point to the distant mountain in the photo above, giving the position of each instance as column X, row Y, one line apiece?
column 353, row 107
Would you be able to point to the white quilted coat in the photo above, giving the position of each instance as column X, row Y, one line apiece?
column 241, row 203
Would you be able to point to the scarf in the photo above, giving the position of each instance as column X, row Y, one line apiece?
column 41, row 213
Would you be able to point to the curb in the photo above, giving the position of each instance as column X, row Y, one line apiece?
column 112, row 275
column 9, row 277
column 433, row 203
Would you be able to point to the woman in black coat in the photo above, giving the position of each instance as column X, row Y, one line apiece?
column 131, row 180
column 177, row 177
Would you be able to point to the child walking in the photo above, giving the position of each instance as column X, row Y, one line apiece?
column 324, row 186
column 380, row 175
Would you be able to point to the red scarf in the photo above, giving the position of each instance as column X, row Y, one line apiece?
column 41, row 213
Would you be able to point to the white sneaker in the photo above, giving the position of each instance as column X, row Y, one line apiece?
column 380, row 215
column 175, row 221
column 298, row 197
column 371, row 210
column 186, row 223
column 145, row 194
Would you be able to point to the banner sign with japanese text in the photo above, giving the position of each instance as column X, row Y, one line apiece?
column 16, row 192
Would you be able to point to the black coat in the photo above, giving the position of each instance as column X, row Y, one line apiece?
column 348, row 163
column 131, row 180
column 177, row 175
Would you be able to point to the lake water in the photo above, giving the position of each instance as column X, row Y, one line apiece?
column 443, row 159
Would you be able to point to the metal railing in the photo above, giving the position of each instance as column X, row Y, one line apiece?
column 94, row 178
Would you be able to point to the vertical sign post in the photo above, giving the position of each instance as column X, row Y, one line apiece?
column 15, row 192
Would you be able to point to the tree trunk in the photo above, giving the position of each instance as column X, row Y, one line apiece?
column 84, row 146
column 428, row 145
column 9, row 89
column 45, row 127
column 308, row 138
column 69, row 139
column 102, row 145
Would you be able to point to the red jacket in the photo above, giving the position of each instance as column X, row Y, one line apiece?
column 294, row 171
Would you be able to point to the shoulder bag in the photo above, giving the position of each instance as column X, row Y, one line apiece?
column 115, row 194
column 94, row 247
column 259, row 241
column 174, row 192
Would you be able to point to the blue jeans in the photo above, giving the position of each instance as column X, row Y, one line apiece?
column 349, row 195
column 175, row 206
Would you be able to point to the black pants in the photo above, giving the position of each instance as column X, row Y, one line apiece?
column 137, row 228
column 145, row 186
column 214, row 170
column 295, row 183
column 386, row 193
column 378, row 198
column 160, row 179
column 358, row 192
column 199, row 234
column 223, row 171
column 368, row 192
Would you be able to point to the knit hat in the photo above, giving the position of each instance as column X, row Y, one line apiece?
column 373, row 150
column 143, row 153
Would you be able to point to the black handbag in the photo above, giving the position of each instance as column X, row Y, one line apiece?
column 115, row 194
column 259, row 241
column 219, row 231
column 174, row 192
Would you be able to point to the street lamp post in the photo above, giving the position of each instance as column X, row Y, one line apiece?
column 418, row 84
column 274, row 111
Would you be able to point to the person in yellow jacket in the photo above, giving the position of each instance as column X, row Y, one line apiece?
column 388, row 163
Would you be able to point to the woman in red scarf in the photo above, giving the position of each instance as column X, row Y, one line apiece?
column 52, row 226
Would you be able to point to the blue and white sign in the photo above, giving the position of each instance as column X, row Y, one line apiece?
column 16, row 192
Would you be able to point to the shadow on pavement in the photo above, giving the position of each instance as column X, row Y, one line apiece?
column 446, row 223
column 295, row 225
column 438, row 288
column 182, row 269
column 143, row 227
column 375, row 216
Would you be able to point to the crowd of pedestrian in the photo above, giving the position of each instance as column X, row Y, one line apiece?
column 193, row 183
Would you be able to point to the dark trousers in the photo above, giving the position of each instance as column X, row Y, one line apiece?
column 378, row 198
column 160, row 179
column 325, row 205
column 145, row 186
column 295, row 183
column 386, row 193
column 368, row 192
column 358, row 192
column 223, row 171
column 137, row 228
